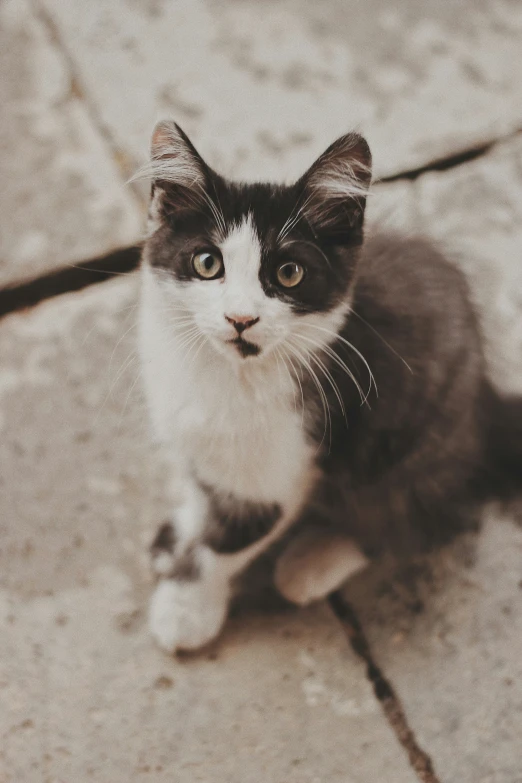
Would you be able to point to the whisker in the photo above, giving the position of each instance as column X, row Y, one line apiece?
column 354, row 349
column 279, row 359
column 324, row 399
column 189, row 338
column 216, row 214
column 178, row 321
column 293, row 218
column 331, row 381
column 200, row 346
column 374, row 330
column 108, row 272
column 219, row 210
column 336, row 358
column 132, row 306
column 312, row 244
column 138, row 376
column 296, row 375
column 132, row 356
column 133, row 326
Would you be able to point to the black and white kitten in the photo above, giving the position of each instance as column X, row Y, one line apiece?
column 299, row 377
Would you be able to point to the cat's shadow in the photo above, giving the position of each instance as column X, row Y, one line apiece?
column 397, row 603
column 390, row 598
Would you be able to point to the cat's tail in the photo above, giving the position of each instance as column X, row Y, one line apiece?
column 504, row 444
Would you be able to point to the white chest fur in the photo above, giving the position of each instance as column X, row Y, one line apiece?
column 242, row 443
column 240, row 431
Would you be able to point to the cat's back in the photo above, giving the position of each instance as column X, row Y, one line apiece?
column 407, row 269
column 408, row 286
column 413, row 321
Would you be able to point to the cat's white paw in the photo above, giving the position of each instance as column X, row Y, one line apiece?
column 186, row 615
column 315, row 564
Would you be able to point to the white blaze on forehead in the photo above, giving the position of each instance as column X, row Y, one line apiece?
column 241, row 248
column 241, row 252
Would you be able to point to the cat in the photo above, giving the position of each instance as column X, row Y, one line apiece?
column 300, row 376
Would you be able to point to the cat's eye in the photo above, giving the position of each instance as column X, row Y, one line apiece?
column 290, row 274
column 208, row 265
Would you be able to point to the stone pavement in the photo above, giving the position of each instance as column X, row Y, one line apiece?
column 52, row 157
column 283, row 695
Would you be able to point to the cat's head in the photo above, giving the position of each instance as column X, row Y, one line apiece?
column 258, row 268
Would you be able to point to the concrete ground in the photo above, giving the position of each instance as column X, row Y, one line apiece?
column 414, row 673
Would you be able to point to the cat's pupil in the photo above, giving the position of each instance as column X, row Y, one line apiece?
column 290, row 274
column 209, row 263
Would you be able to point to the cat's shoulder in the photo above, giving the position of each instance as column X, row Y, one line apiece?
column 412, row 266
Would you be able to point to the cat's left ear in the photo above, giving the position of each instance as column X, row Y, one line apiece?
column 175, row 167
column 334, row 189
column 173, row 158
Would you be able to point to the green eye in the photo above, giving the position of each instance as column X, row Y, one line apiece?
column 290, row 274
column 207, row 265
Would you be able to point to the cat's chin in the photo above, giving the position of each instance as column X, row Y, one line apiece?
column 239, row 350
column 244, row 348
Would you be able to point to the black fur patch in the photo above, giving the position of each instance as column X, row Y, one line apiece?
column 245, row 347
column 186, row 568
column 235, row 525
column 165, row 539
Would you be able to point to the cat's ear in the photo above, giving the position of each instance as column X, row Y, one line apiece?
column 334, row 189
column 175, row 166
column 173, row 158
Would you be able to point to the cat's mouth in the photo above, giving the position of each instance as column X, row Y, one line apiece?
column 244, row 347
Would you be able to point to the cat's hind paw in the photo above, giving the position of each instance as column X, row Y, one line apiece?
column 316, row 563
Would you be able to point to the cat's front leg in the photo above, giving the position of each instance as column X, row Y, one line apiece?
column 190, row 602
column 197, row 556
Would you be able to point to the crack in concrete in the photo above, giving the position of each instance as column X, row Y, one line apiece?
column 391, row 705
column 452, row 161
column 126, row 166
column 69, row 278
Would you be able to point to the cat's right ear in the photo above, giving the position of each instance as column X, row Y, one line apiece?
column 175, row 166
column 335, row 187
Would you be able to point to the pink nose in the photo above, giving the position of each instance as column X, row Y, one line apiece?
column 241, row 322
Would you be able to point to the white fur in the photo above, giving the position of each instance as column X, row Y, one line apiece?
column 187, row 615
column 341, row 179
column 233, row 420
column 235, row 423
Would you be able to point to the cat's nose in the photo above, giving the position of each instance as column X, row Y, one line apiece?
column 241, row 322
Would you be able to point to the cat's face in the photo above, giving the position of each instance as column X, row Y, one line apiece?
column 255, row 270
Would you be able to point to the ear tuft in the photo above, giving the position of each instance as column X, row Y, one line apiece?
column 337, row 184
column 174, row 160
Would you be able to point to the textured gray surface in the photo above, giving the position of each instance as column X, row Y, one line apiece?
column 62, row 197
column 263, row 87
column 85, row 694
column 448, row 633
